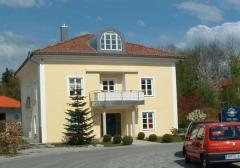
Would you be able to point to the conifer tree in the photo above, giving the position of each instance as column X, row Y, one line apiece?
column 79, row 127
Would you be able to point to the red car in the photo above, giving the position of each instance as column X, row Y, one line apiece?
column 191, row 127
column 214, row 143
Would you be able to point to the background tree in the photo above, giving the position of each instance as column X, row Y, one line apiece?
column 79, row 127
column 10, row 85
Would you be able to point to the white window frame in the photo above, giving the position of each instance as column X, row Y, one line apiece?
column 109, row 79
column 110, row 33
column 82, row 84
column 153, row 85
column 154, row 120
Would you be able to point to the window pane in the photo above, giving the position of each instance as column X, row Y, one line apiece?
column 144, row 121
column 71, row 80
column 149, row 120
column 149, row 87
column 111, row 88
column 144, row 126
column 105, row 88
column 143, row 87
column 114, row 47
column 149, row 92
column 119, row 46
column 150, row 115
column 114, row 41
column 149, row 81
column 150, row 126
column 111, row 82
column 113, row 36
column 144, row 115
column 107, row 36
column 105, row 82
column 107, row 42
column 143, row 81
column 72, row 93
column 108, row 47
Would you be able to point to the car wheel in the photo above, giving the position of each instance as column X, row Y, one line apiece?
column 187, row 159
column 205, row 163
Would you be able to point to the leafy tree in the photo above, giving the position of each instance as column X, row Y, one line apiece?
column 10, row 85
column 79, row 128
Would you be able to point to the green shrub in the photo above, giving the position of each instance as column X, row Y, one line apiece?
column 117, row 139
column 127, row 140
column 174, row 131
column 152, row 137
column 141, row 136
column 166, row 138
column 107, row 138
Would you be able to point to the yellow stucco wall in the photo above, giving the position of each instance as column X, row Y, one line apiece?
column 56, row 77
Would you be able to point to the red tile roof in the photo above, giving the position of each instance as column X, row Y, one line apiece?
column 81, row 44
column 7, row 102
column 224, row 83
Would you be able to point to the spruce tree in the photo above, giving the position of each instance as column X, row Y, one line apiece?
column 79, row 127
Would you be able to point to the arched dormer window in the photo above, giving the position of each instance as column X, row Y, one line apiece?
column 111, row 40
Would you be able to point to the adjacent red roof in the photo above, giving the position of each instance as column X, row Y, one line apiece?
column 224, row 83
column 82, row 45
column 7, row 102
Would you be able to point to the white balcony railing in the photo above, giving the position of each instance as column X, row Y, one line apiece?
column 101, row 98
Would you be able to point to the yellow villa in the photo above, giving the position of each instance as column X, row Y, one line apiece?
column 129, row 88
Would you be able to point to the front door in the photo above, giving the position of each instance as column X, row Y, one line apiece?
column 113, row 122
column 2, row 116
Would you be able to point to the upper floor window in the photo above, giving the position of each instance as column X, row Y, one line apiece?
column 75, row 83
column 147, row 86
column 111, row 41
column 108, row 85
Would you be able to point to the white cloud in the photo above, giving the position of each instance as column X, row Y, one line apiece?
column 141, row 23
column 220, row 33
column 20, row 3
column 14, row 48
column 29, row 3
column 202, row 11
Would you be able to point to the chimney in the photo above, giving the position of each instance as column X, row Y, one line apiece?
column 64, row 32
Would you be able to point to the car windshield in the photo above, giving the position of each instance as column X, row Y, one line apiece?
column 225, row 133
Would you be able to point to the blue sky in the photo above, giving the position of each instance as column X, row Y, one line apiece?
column 31, row 24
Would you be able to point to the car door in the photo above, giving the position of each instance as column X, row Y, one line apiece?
column 198, row 143
column 190, row 144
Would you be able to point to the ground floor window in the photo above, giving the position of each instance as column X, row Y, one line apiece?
column 148, row 119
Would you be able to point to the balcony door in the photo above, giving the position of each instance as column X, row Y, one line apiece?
column 108, row 85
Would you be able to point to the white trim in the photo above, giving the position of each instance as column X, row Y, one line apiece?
column 43, row 102
column 153, row 86
column 154, row 120
column 82, row 84
column 174, row 90
column 89, row 70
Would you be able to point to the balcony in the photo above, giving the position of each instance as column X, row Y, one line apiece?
column 116, row 98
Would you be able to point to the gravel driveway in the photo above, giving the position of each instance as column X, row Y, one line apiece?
column 149, row 156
